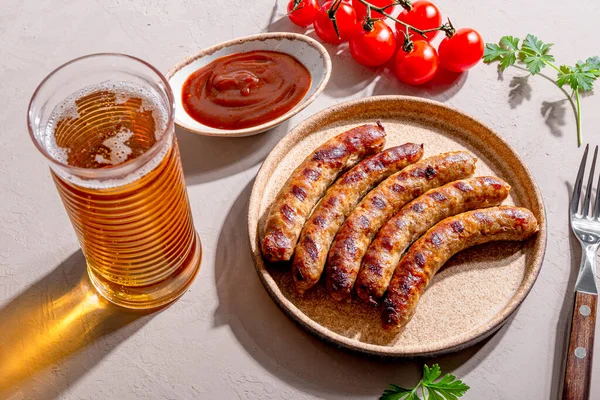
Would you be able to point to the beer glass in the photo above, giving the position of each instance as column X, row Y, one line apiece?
column 105, row 124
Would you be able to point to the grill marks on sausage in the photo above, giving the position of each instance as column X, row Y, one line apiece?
column 438, row 196
column 363, row 222
column 299, row 192
column 463, row 186
column 340, row 199
column 419, row 259
column 311, row 247
column 288, row 213
column 385, row 200
column 332, row 156
column 429, row 253
column 398, row 188
column 418, row 207
column 276, row 243
column 311, row 174
column 309, row 181
column 378, row 202
column 437, row 240
column 430, row 172
column 494, row 182
column 413, row 220
column 457, row 227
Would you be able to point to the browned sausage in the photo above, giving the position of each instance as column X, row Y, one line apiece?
column 427, row 255
column 308, row 183
column 338, row 202
column 414, row 219
column 357, row 232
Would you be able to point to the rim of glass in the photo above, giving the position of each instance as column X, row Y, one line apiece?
column 105, row 172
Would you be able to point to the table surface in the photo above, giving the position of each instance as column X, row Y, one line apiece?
column 225, row 338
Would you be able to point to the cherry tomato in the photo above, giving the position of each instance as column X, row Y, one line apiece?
column 305, row 13
column 346, row 22
column 361, row 9
column 418, row 66
column 462, row 51
column 373, row 48
column 424, row 15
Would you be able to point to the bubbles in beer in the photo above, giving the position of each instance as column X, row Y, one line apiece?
column 118, row 150
column 81, row 129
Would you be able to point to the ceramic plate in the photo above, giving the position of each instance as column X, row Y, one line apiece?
column 471, row 296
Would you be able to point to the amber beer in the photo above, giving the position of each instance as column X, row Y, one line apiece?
column 116, row 165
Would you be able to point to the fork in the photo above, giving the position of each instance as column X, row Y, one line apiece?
column 585, row 224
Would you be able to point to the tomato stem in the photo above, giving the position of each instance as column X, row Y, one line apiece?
column 579, row 139
column 296, row 6
column 407, row 5
column 368, row 23
column 408, row 45
column 334, row 7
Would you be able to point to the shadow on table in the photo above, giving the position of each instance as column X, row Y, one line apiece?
column 347, row 77
column 56, row 330
column 287, row 351
column 209, row 158
column 553, row 112
column 442, row 87
column 566, row 314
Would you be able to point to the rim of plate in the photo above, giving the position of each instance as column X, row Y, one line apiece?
column 303, row 129
column 254, row 130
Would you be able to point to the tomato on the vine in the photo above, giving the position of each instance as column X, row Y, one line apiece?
column 361, row 9
column 346, row 22
column 417, row 66
column 305, row 12
column 423, row 15
column 373, row 47
column 462, row 51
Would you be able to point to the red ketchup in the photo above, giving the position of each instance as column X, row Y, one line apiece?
column 245, row 89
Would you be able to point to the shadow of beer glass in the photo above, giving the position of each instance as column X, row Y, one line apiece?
column 56, row 330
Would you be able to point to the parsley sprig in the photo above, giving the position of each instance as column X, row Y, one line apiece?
column 535, row 54
column 447, row 388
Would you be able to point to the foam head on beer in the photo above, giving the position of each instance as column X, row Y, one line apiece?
column 105, row 125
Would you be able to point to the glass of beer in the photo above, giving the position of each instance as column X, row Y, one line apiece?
column 105, row 124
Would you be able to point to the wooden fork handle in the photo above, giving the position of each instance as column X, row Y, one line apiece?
column 581, row 347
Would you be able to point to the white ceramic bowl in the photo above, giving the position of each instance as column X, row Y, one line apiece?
column 306, row 50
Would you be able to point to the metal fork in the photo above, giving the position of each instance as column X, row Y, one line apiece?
column 585, row 223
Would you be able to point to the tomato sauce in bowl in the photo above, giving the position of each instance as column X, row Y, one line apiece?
column 247, row 89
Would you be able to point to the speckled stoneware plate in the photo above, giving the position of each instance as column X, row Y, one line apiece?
column 305, row 49
column 471, row 296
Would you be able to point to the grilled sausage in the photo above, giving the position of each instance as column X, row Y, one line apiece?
column 414, row 219
column 308, row 183
column 341, row 198
column 357, row 232
column 427, row 255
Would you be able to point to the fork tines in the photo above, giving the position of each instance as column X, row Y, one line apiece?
column 588, row 191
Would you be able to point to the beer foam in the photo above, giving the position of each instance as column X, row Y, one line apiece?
column 123, row 92
column 119, row 151
column 112, row 183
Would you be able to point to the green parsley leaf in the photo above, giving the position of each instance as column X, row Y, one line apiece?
column 564, row 76
column 535, row 54
column 506, row 52
column 580, row 77
column 447, row 388
column 396, row 392
column 594, row 63
column 431, row 374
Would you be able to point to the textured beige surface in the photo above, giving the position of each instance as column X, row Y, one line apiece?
column 225, row 338
column 465, row 300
